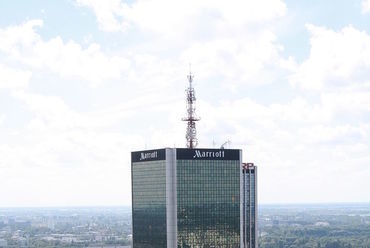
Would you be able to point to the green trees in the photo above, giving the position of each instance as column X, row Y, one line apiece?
column 341, row 236
column 315, row 226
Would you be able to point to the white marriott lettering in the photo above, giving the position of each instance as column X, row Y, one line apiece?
column 202, row 154
column 148, row 155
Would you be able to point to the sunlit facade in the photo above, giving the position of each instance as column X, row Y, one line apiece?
column 208, row 198
column 187, row 198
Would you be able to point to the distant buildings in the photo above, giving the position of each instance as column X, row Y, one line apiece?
column 193, row 198
column 3, row 243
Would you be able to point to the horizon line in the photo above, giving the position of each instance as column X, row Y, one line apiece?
column 129, row 206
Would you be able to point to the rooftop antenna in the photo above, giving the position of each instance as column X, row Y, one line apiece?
column 224, row 144
column 191, row 132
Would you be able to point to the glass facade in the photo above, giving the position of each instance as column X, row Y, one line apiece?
column 186, row 198
column 149, row 204
column 208, row 203
column 249, row 206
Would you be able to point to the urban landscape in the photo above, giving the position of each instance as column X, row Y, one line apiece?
column 280, row 226
column 65, row 227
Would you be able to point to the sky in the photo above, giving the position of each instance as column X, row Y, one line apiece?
column 85, row 82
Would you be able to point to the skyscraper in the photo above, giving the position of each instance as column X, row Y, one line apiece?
column 249, row 182
column 193, row 197
column 187, row 198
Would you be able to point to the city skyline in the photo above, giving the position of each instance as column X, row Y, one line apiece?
column 83, row 83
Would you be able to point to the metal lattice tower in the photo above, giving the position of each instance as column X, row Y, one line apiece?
column 191, row 132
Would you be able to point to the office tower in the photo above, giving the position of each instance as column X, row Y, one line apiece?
column 249, row 181
column 187, row 198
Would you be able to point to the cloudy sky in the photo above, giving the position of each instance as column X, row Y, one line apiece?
column 84, row 82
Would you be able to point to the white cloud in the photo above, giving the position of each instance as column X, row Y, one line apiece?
column 348, row 102
column 286, row 140
column 175, row 17
column 232, row 45
column 334, row 137
column 365, row 6
column 68, row 59
column 233, row 41
column 109, row 13
column 13, row 78
column 57, row 145
column 240, row 61
column 337, row 59
column 15, row 37
column 292, row 142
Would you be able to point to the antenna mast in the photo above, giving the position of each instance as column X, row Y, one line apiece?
column 191, row 132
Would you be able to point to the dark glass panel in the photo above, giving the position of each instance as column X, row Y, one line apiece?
column 149, row 204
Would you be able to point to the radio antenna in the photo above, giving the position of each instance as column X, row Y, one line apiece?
column 191, row 132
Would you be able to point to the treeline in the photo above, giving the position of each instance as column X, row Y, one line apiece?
column 315, row 237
